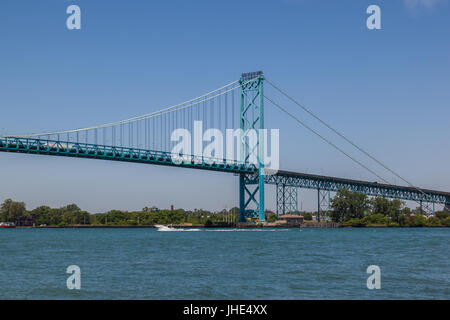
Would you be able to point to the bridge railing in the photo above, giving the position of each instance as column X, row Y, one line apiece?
column 87, row 150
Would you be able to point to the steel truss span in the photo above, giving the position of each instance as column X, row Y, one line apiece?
column 310, row 181
column 93, row 151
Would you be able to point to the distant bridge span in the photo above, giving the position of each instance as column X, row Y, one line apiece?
column 311, row 181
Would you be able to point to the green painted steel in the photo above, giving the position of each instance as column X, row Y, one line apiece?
column 310, row 181
column 323, row 203
column 93, row 151
column 287, row 199
column 251, row 187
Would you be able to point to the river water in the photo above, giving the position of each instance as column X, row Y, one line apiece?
column 225, row 263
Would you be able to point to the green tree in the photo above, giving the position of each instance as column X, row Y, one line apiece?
column 417, row 220
column 354, row 222
column 43, row 215
column 446, row 222
column 348, row 205
column 433, row 222
column 395, row 209
column 380, row 205
column 71, row 208
column 11, row 210
column 376, row 218
column 383, row 207
column 442, row 215
column 403, row 217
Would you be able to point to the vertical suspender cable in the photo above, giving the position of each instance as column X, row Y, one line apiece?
column 137, row 134
column 232, row 109
column 153, row 134
column 219, row 109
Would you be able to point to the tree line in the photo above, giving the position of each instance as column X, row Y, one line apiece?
column 11, row 211
column 347, row 208
column 357, row 209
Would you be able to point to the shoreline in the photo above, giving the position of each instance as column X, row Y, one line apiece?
column 303, row 226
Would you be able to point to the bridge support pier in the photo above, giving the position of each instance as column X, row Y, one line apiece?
column 251, row 198
column 323, row 203
column 427, row 208
column 287, row 199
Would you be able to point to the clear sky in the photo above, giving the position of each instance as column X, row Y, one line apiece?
column 388, row 90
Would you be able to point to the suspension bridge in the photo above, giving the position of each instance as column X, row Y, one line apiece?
column 149, row 139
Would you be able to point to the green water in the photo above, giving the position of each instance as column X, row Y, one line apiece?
column 225, row 264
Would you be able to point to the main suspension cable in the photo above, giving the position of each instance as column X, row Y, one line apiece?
column 344, row 137
column 325, row 139
column 177, row 107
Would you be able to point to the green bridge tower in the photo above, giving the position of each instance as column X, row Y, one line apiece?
column 251, row 186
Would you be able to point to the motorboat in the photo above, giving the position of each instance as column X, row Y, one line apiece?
column 161, row 227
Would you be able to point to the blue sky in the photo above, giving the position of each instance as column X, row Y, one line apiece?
column 388, row 90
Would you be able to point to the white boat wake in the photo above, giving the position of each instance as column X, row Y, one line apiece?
column 167, row 228
column 161, row 227
column 247, row 230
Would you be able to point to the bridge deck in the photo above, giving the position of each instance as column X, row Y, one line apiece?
column 311, row 181
column 301, row 180
column 113, row 153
